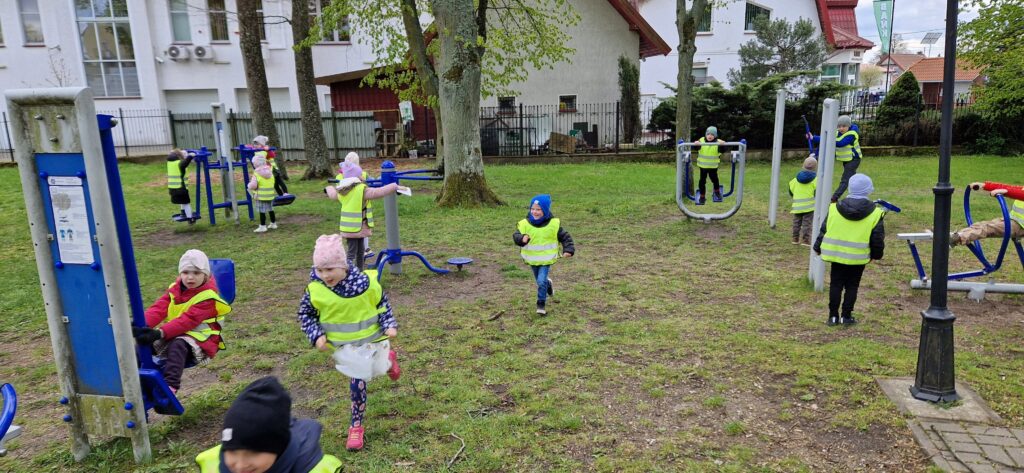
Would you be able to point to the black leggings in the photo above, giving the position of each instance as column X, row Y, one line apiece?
column 279, row 186
column 849, row 169
column 704, row 173
column 844, row 277
column 177, row 355
column 355, row 249
column 263, row 217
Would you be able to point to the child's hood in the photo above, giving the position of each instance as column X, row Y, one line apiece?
column 265, row 172
column 805, row 176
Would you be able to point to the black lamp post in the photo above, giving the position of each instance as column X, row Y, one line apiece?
column 936, row 380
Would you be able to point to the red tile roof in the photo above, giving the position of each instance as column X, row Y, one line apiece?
column 651, row 44
column 930, row 70
column 839, row 24
column 903, row 61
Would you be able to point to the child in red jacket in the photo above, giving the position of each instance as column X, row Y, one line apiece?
column 191, row 313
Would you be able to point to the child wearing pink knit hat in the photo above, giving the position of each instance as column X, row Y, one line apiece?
column 343, row 306
column 356, row 220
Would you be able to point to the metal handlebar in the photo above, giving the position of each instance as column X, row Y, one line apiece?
column 682, row 168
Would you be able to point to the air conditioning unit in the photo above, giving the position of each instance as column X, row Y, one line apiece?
column 178, row 52
column 203, row 52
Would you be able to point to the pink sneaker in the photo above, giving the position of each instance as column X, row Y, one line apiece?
column 355, row 439
column 174, row 390
column 394, row 371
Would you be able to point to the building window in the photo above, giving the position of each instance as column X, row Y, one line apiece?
column 340, row 33
column 262, row 23
column 753, row 13
column 107, row 49
column 506, row 105
column 704, row 23
column 218, row 20
column 181, row 31
column 1, row 36
column 700, row 75
column 830, row 73
column 31, row 21
column 566, row 103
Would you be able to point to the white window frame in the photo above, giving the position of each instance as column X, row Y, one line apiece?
column 38, row 14
column 507, row 109
column 110, row 59
column 837, row 77
column 1, row 35
column 746, row 7
column 711, row 22
column 568, row 109
column 333, row 36
column 172, row 14
column 222, row 14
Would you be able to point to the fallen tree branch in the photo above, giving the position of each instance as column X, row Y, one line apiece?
column 461, row 449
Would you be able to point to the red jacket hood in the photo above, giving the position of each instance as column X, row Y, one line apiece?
column 183, row 295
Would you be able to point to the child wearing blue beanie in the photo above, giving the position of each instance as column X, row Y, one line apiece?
column 538, row 236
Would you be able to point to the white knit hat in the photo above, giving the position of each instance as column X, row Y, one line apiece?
column 352, row 157
column 194, row 260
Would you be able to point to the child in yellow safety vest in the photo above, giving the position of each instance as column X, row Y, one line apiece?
column 801, row 188
column 260, row 143
column 356, row 221
column 852, row 235
column 260, row 436
column 353, row 158
column 847, row 151
column 344, row 306
column 189, row 315
column 708, row 159
column 261, row 185
column 177, row 161
column 538, row 236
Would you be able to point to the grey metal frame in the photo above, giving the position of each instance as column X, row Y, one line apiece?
column 823, row 193
column 683, row 159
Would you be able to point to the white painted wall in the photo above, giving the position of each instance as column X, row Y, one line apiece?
column 22, row 66
column 717, row 50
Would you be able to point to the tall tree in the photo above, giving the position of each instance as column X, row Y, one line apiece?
column 686, row 25
column 629, row 99
column 312, row 124
column 779, row 47
column 479, row 48
column 249, row 26
column 993, row 41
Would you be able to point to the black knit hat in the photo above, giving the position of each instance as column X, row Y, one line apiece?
column 259, row 419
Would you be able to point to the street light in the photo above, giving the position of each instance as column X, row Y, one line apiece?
column 936, row 380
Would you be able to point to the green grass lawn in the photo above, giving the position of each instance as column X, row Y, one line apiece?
column 672, row 345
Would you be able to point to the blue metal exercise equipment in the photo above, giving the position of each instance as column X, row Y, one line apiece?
column 684, row 180
column 976, row 290
column 8, row 431
column 204, row 185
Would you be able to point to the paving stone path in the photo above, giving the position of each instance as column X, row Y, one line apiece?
column 971, row 447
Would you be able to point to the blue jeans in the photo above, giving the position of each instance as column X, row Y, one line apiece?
column 540, row 273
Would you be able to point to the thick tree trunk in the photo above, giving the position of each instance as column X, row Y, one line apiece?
column 424, row 69
column 459, row 87
column 686, row 24
column 312, row 124
column 256, row 75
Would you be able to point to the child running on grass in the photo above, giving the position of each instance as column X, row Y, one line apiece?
column 538, row 236
column 346, row 306
column 189, row 316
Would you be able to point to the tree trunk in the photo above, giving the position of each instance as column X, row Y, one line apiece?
column 424, row 69
column 256, row 75
column 686, row 24
column 459, row 85
column 312, row 124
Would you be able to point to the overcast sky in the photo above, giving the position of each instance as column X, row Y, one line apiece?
column 912, row 19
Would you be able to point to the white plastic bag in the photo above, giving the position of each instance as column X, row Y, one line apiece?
column 363, row 361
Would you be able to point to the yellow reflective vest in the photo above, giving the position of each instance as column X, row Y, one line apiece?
column 542, row 249
column 352, row 210
column 369, row 203
column 845, row 153
column 708, row 156
column 803, row 195
column 265, row 188
column 175, row 178
column 349, row 320
column 847, row 241
column 209, row 462
column 1017, row 212
column 204, row 330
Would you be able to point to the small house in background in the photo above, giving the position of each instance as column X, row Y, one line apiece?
column 576, row 98
column 895, row 64
column 929, row 75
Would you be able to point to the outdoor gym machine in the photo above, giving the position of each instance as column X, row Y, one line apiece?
column 8, row 431
column 684, row 177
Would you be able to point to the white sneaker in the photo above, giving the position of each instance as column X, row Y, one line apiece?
column 260, row 229
column 272, row 226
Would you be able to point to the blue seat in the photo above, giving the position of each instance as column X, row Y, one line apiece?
column 283, row 200
column 224, row 273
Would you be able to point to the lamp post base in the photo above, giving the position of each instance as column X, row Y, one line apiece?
column 935, row 380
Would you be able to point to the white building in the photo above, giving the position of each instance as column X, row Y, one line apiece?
column 179, row 55
column 730, row 25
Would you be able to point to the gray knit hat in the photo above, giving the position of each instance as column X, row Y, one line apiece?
column 845, row 120
column 712, row 131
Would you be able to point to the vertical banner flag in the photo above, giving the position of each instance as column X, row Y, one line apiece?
column 883, row 18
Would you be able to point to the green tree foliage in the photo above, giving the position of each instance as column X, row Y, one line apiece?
column 901, row 103
column 994, row 41
column 780, row 47
column 629, row 99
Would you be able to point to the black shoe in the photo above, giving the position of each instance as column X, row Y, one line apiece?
column 551, row 287
column 540, row 308
column 849, row 320
column 833, row 320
